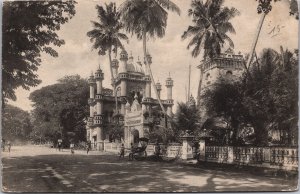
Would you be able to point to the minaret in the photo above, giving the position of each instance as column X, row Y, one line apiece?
column 158, row 88
column 92, row 93
column 91, row 103
column 99, row 76
column 123, row 76
column 169, row 85
column 147, row 77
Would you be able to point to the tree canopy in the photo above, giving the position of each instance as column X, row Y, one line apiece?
column 28, row 29
column 211, row 23
column 61, row 108
column 16, row 124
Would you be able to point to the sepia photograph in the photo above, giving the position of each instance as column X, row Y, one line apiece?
column 149, row 96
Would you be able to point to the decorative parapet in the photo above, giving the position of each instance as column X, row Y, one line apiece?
column 224, row 61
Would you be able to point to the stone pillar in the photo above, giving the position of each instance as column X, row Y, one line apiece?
column 202, row 149
column 230, row 155
column 187, row 151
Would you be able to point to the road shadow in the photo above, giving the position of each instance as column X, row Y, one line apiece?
column 108, row 173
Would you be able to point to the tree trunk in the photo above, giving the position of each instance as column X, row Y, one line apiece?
column 113, row 80
column 255, row 40
column 150, row 72
column 200, row 87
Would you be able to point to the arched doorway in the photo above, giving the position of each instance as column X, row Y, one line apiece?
column 135, row 136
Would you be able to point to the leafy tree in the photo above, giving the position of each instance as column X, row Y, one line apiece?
column 61, row 108
column 16, row 124
column 211, row 23
column 225, row 100
column 186, row 119
column 147, row 17
column 106, row 34
column 28, row 29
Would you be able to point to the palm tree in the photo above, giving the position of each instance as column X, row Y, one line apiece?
column 209, row 32
column 147, row 17
column 106, row 34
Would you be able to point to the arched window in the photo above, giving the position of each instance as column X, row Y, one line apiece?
column 229, row 73
column 207, row 76
column 119, row 91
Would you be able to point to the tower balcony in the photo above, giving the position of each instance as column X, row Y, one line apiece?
column 99, row 75
column 147, row 100
column 168, row 102
column 147, row 78
column 98, row 97
column 98, row 119
column 92, row 81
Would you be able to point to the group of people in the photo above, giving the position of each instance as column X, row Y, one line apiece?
column 72, row 146
column 5, row 144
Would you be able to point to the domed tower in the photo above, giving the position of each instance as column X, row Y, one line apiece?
column 98, row 119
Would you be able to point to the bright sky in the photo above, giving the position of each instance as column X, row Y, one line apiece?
column 169, row 54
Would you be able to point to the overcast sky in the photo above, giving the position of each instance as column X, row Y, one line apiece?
column 169, row 54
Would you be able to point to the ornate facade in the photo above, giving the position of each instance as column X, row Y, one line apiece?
column 135, row 103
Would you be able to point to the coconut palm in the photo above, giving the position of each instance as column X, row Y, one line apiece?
column 209, row 32
column 107, row 35
column 147, row 18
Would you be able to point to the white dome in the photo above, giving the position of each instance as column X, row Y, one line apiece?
column 135, row 67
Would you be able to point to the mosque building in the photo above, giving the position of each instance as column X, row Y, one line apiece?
column 137, row 109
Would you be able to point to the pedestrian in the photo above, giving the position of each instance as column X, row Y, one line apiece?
column 122, row 151
column 157, row 150
column 131, row 151
column 72, row 148
column 88, row 147
column 8, row 146
column 59, row 146
column 3, row 144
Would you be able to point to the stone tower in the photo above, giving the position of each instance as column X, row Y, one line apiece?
column 226, row 66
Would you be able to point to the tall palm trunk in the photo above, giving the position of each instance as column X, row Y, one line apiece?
column 150, row 72
column 200, row 87
column 113, row 83
column 262, row 18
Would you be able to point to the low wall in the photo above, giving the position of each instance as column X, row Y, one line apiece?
column 271, row 157
column 112, row 147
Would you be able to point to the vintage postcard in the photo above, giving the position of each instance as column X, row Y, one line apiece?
column 149, row 96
